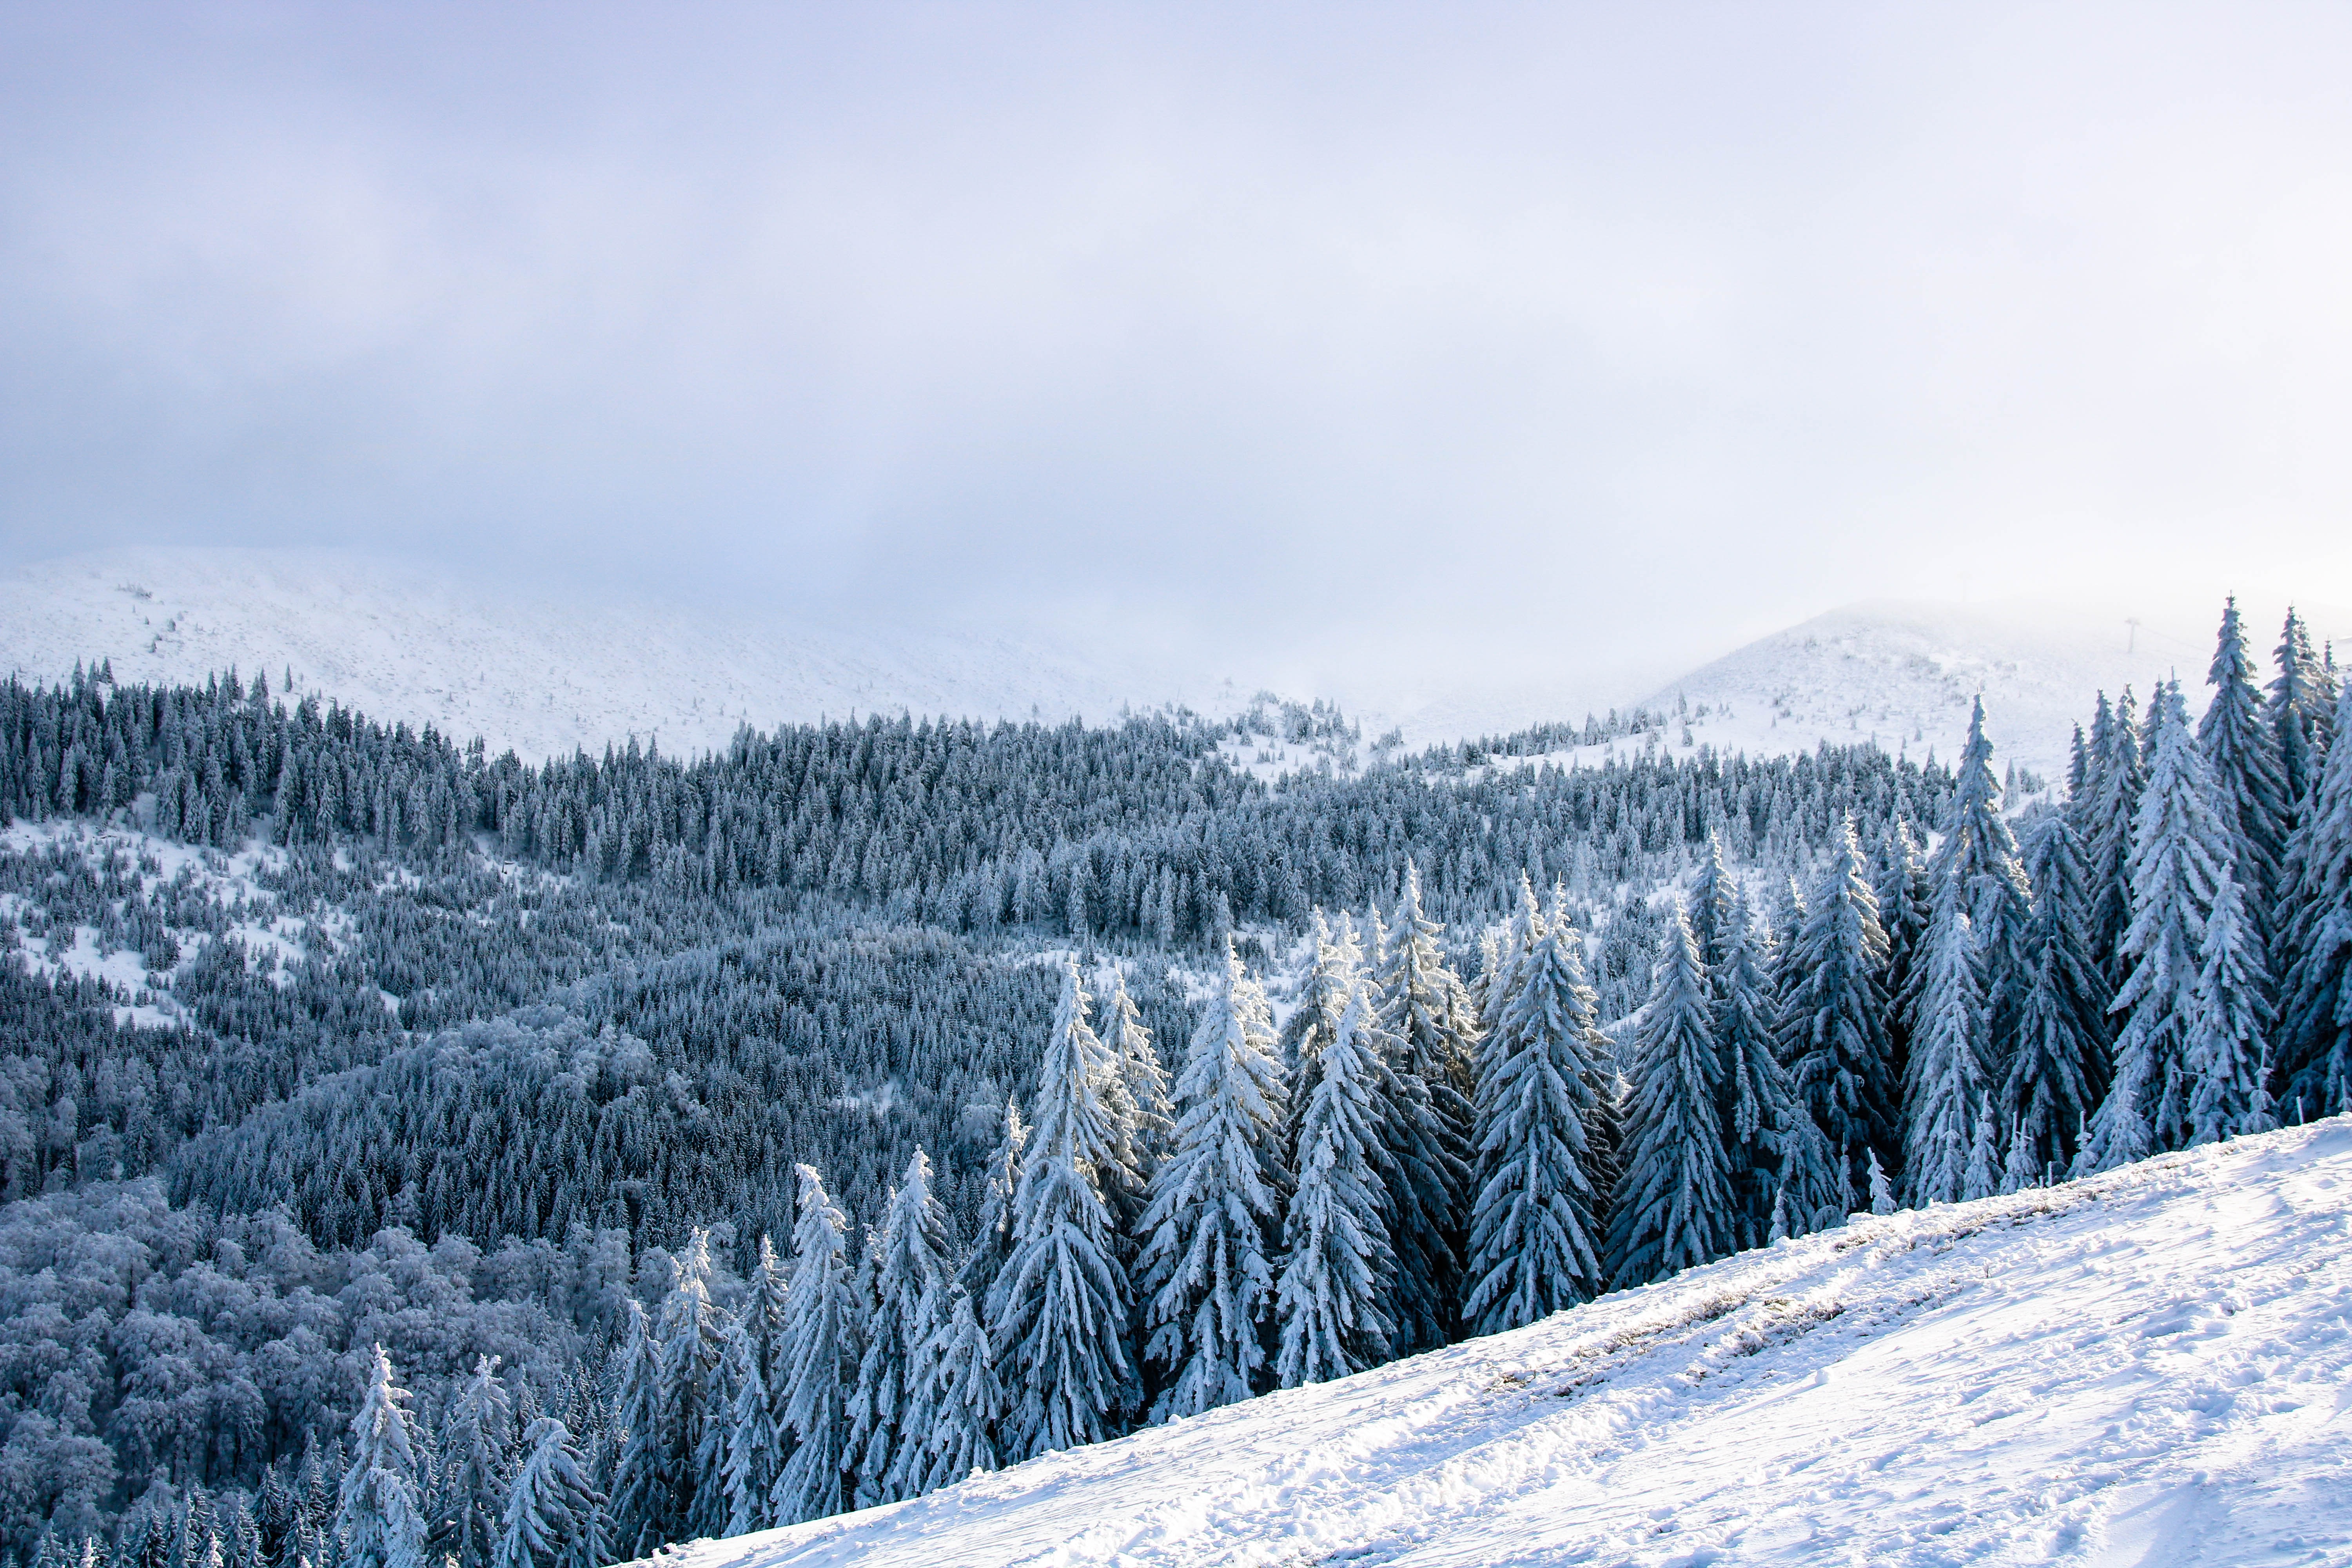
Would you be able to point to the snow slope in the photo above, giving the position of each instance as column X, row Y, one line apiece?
column 2154, row 1367
column 1904, row 674
column 536, row 673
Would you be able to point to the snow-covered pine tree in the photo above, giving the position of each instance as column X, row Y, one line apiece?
column 1906, row 898
column 1672, row 1210
column 1429, row 1125
column 2316, row 999
column 2180, row 849
column 1979, row 855
column 1759, row 1108
column 695, row 1404
column 380, row 1512
column 1952, row 1080
column 475, row 1468
column 819, row 1353
column 1330, row 1298
column 1137, row 1090
column 1210, row 1233
column 2059, row 1071
column 2241, row 749
column 913, row 1269
column 2302, row 710
column 2119, row 775
column 1546, row 1138
column 640, row 1497
column 1833, row 1038
column 967, row 1402
column 2228, row 1053
column 1058, row 1310
column 552, row 1517
column 1713, row 895
column 757, row 1431
column 1323, row 995
column 991, row 1241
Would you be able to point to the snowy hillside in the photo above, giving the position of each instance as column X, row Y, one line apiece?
column 2152, row 1367
column 1904, row 674
column 532, row 672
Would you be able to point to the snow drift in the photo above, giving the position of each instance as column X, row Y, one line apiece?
column 2151, row 1367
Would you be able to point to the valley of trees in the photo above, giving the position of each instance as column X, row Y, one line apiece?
column 417, row 1157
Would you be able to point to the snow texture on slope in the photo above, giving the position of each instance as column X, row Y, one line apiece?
column 1904, row 675
column 2152, row 1367
column 523, row 669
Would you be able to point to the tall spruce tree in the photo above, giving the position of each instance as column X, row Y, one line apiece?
column 1323, row 995
column 757, row 1430
column 1979, row 855
column 1906, row 898
column 475, row 1468
column 1058, row 1310
column 1430, row 1123
column 991, row 1241
column 1833, row 1039
column 1544, row 1158
column 2180, row 850
column 552, row 1517
column 908, row 1296
column 1216, row 1207
column 693, row 1332
column 1673, row 1206
column 967, row 1401
column 2316, row 1010
column 2119, row 775
column 1330, row 1297
column 819, row 1353
column 1951, row 1078
column 2241, row 749
column 2060, row 1068
column 2301, row 707
column 379, row 1513
column 1759, row 1107
column 2228, row 1053
column 1137, row 1090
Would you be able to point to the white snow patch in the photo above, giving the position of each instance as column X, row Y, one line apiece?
column 2151, row 1367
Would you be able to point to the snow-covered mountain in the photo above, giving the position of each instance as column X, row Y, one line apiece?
column 2153, row 1367
column 1904, row 674
column 543, row 674
column 526, row 669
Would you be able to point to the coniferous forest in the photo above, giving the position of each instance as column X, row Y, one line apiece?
column 415, row 1156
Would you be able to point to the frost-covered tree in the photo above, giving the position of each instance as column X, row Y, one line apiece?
column 1058, row 1309
column 1672, row 1206
column 1906, row 898
column 2316, row 999
column 993, row 1239
column 1714, row 894
column 757, row 1430
column 967, row 1402
column 1323, row 995
column 1430, row 1121
column 2301, row 713
column 2118, row 774
column 1216, row 1205
column 819, row 1353
column 1539, row 1218
column 2180, row 849
column 551, row 1518
column 1330, row 1298
column 1759, row 1107
column 1952, row 1084
column 2241, row 746
column 2059, row 1070
column 1136, row 1091
column 475, row 1468
column 640, row 1498
column 911, row 1274
column 2227, row 1054
column 379, row 1513
column 1833, row 1039
column 693, row 1332
column 1978, row 856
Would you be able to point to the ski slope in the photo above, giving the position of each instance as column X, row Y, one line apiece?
column 2153, row 1367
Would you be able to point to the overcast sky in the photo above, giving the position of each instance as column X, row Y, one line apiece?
column 1465, row 332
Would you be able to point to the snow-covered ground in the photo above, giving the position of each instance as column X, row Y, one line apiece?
column 2154, row 1367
